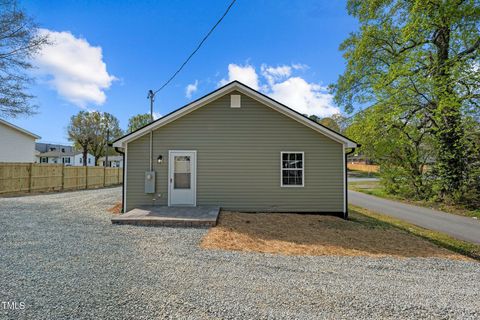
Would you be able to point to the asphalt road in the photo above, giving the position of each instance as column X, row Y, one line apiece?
column 463, row 228
column 364, row 179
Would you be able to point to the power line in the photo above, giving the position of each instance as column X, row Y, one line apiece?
column 194, row 51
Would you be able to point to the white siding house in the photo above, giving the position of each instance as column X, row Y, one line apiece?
column 68, row 158
column 78, row 159
column 18, row 145
column 113, row 161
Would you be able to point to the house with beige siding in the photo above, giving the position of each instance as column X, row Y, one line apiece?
column 18, row 144
column 237, row 149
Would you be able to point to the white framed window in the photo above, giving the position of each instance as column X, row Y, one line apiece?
column 292, row 169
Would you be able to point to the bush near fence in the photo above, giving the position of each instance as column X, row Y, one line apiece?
column 363, row 167
column 36, row 177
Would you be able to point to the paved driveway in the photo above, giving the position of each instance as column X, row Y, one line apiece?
column 462, row 228
column 62, row 257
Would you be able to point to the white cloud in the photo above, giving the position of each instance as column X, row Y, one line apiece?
column 156, row 115
column 306, row 98
column 279, row 83
column 191, row 89
column 245, row 74
column 273, row 74
column 74, row 68
column 300, row 66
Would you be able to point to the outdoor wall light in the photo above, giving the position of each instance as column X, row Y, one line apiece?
column 160, row 159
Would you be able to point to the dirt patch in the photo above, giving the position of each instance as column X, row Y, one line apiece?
column 116, row 209
column 318, row 235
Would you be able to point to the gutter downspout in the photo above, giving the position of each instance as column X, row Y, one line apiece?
column 345, row 214
column 123, row 173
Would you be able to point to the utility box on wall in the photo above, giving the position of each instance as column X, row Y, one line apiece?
column 149, row 181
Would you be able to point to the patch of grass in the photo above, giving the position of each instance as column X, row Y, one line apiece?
column 362, row 174
column 374, row 188
column 313, row 234
column 466, row 248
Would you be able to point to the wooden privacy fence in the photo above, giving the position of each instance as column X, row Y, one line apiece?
column 363, row 167
column 35, row 177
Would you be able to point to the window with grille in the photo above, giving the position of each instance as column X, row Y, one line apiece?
column 292, row 169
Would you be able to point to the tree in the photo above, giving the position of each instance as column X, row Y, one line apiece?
column 88, row 131
column 403, row 155
column 138, row 121
column 103, row 124
column 81, row 132
column 417, row 63
column 336, row 122
column 19, row 41
column 342, row 122
column 330, row 123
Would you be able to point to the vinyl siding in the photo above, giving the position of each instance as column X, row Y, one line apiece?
column 16, row 146
column 238, row 160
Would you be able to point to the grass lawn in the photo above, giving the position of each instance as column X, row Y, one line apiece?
column 466, row 248
column 300, row 234
column 361, row 174
column 374, row 188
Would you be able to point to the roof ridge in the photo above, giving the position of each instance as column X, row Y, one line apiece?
column 239, row 85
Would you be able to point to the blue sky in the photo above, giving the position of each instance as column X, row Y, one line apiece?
column 287, row 49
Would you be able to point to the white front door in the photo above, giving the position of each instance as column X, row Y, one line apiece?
column 182, row 178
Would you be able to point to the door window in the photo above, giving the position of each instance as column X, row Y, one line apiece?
column 181, row 173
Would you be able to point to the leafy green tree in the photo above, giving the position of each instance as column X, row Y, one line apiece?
column 417, row 62
column 88, row 131
column 330, row 123
column 104, row 124
column 138, row 121
column 19, row 41
column 336, row 122
column 403, row 152
column 81, row 132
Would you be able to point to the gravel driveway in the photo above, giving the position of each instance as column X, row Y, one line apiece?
column 61, row 256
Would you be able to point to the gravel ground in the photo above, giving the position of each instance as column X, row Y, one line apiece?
column 60, row 256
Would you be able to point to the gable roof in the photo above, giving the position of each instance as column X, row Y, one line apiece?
column 246, row 90
column 28, row 133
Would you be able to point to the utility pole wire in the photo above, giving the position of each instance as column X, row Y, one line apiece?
column 196, row 49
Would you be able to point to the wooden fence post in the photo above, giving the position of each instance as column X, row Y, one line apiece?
column 30, row 181
column 104, row 176
column 63, row 177
column 86, row 177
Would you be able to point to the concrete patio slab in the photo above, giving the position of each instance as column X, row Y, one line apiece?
column 170, row 216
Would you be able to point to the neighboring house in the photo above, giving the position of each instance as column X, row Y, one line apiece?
column 359, row 158
column 113, row 161
column 68, row 158
column 18, row 145
column 240, row 150
column 44, row 147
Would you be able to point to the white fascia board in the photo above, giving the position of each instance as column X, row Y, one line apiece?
column 295, row 116
column 11, row 125
column 175, row 115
